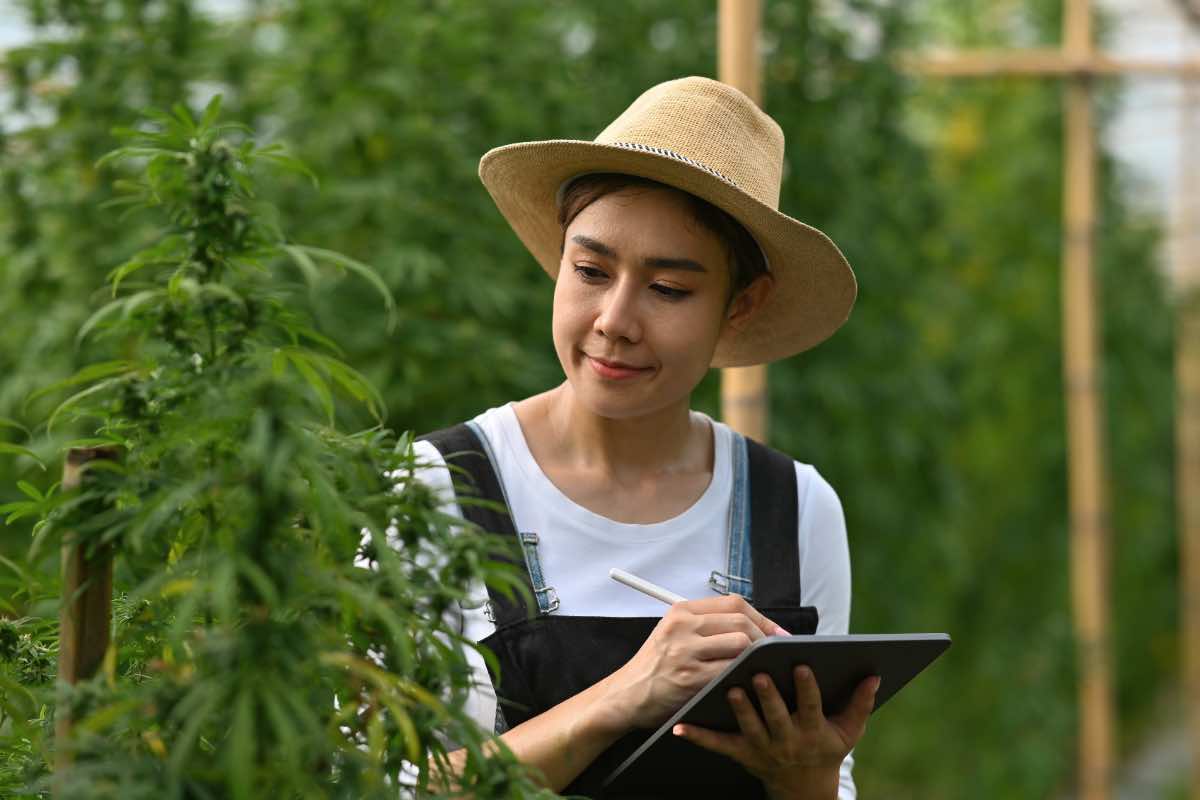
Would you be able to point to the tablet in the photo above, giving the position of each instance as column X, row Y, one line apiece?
column 839, row 663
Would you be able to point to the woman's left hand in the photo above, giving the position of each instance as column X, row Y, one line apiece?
column 795, row 755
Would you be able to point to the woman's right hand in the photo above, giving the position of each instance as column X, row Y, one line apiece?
column 689, row 646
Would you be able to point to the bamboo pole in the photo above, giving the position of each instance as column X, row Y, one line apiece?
column 1087, row 472
column 1187, row 413
column 743, row 389
column 1041, row 63
column 86, row 611
column 1087, row 477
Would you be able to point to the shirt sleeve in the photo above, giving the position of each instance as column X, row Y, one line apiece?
column 825, row 572
column 470, row 621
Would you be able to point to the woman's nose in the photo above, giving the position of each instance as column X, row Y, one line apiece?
column 618, row 317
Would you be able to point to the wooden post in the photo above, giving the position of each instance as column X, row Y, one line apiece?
column 743, row 389
column 1187, row 412
column 1080, row 65
column 1087, row 477
column 84, row 618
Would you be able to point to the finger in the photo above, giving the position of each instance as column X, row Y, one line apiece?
column 711, row 624
column 774, row 711
column 852, row 721
column 809, row 714
column 722, row 645
column 729, row 744
column 748, row 720
column 733, row 603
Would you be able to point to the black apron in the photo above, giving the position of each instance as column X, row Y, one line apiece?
column 546, row 658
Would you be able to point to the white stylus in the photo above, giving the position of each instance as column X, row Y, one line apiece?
column 645, row 587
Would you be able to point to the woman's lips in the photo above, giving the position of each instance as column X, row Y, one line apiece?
column 614, row 370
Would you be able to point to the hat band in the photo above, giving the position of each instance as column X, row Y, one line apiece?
column 662, row 151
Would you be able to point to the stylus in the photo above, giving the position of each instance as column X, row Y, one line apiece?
column 645, row 587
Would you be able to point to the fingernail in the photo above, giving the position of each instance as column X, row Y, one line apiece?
column 804, row 672
column 875, row 684
column 780, row 631
column 677, row 730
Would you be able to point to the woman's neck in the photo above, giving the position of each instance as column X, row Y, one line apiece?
column 625, row 450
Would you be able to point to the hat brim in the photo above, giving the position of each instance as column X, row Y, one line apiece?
column 814, row 287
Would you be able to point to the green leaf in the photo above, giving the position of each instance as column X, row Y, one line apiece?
column 89, row 373
column 184, row 116
column 19, row 510
column 5, row 422
column 314, row 336
column 290, row 163
column 95, row 441
column 241, row 747
column 356, row 384
column 360, row 269
column 96, row 318
column 211, row 112
column 29, row 490
column 314, row 380
column 78, row 396
column 134, row 152
column 15, row 449
column 15, row 700
column 308, row 267
column 261, row 582
column 222, row 291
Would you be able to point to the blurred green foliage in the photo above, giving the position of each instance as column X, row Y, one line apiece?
column 936, row 413
column 280, row 622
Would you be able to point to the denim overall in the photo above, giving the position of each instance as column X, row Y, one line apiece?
column 546, row 658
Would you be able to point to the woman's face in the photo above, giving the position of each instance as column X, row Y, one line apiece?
column 639, row 302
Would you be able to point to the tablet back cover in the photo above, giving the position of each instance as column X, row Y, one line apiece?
column 666, row 764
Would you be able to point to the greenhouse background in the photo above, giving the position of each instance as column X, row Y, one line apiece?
column 937, row 412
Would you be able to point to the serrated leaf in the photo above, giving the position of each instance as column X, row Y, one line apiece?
column 75, row 398
column 314, row 380
column 184, row 116
column 211, row 112
column 356, row 384
column 292, row 164
column 308, row 267
column 91, row 372
column 315, row 336
column 362, row 270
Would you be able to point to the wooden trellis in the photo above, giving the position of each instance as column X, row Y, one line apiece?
column 1079, row 65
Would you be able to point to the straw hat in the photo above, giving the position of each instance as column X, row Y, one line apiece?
column 711, row 140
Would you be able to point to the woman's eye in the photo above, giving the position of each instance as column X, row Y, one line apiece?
column 670, row 292
column 590, row 274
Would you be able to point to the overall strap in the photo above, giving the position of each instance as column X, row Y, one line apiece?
column 763, row 561
column 737, row 579
column 465, row 449
column 774, row 526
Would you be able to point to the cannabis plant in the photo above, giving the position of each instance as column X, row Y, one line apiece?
column 281, row 585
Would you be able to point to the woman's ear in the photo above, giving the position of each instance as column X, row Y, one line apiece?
column 748, row 301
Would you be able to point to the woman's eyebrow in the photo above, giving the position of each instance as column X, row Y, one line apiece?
column 660, row 262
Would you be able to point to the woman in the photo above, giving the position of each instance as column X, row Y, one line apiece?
column 669, row 257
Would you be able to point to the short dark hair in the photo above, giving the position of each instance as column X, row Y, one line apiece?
column 745, row 258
